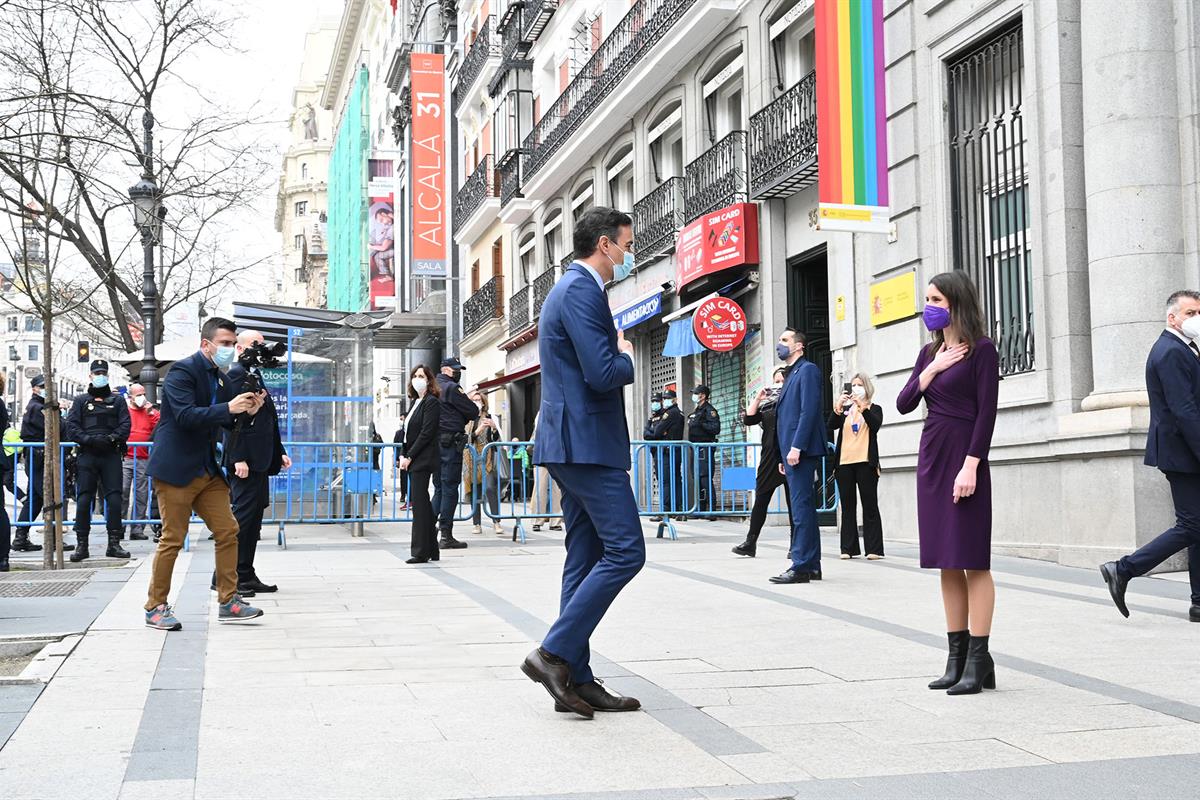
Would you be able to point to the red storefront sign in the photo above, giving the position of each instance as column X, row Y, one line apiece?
column 428, row 166
column 720, row 324
column 717, row 241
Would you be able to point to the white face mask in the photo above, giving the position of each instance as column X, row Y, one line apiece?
column 1191, row 327
column 858, row 391
column 140, row 400
column 419, row 385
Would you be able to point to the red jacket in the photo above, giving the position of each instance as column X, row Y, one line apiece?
column 142, row 422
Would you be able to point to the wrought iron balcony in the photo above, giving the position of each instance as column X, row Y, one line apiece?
column 783, row 142
column 717, row 178
column 513, row 47
column 567, row 259
column 485, row 46
column 536, row 14
column 484, row 306
column 542, row 285
column 402, row 115
column 520, row 310
column 510, row 175
column 479, row 187
column 635, row 36
column 657, row 218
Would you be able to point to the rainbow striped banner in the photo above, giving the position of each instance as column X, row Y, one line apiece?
column 852, row 185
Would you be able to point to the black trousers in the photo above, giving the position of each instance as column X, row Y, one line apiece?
column 5, row 529
column 766, row 481
column 32, row 510
column 424, row 524
column 704, row 489
column 446, row 490
column 96, row 472
column 856, row 481
column 1185, row 492
column 249, row 497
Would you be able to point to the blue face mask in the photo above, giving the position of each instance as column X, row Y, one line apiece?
column 224, row 356
column 669, row 403
column 656, row 406
column 783, row 351
column 624, row 269
column 100, row 381
column 695, row 399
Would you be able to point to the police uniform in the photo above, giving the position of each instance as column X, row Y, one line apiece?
column 649, row 434
column 99, row 424
column 457, row 410
column 704, row 425
column 670, row 428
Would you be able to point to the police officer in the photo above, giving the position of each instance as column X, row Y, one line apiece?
column 457, row 411
column 704, row 425
column 33, row 429
column 98, row 423
column 670, row 428
column 648, row 434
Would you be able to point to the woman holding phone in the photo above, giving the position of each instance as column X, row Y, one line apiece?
column 769, row 477
column 855, row 422
column 958, row 377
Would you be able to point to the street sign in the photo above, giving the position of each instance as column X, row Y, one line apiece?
column 720, row 324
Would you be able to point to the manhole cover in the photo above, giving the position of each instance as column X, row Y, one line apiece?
column 41, row 588
column 55, row 575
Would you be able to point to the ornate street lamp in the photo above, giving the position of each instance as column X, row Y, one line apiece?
column 147, row 216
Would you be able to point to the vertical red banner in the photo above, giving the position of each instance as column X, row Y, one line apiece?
column 429, row 206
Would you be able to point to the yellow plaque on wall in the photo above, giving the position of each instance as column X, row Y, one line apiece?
column 839, row 308
column 894, row 299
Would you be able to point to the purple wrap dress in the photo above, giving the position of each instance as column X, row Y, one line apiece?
column 962, row 413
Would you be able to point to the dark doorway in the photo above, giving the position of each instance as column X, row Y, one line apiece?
column 808, row 312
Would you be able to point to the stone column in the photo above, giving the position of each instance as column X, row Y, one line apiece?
column 1132, row 168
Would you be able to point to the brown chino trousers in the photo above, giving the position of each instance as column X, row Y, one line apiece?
column 208, row 495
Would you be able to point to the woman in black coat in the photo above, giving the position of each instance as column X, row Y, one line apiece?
column 421, row 460
column 6, row 464
column 769, row 476
column 856, row 421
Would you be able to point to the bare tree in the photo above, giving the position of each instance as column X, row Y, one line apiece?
column 121, row 56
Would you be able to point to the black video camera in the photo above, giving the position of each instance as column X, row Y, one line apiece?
column 261, row 354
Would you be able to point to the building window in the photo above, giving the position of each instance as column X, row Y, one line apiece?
column 988, row 193
column 552, row 238
column 12, row 353
column 298, row 241
column 303, row 171
column 666, row 144
column 793, row 45
column 723, row 98
column 33, row 324
column 527, row 255
column 33, row 352
column 582, row 199
column 619, row 172
column 301, row 208
column 12, row 324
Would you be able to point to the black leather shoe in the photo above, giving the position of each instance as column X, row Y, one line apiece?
column 4, row 565
column 256, row 585
column 814, row 576
column 979, row 672
column 1116, row 585
column 1194, row 613
column 25, row 546
column 212, row 587
column 138, row 537
column 601, row 699
column 747, row 548
column 452, row 544
column 415, row 560
column 955, row 661
column 791, row 576
column 554, row 674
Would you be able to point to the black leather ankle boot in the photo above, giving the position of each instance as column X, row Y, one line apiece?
column 955, row 661
column 748, row 547
column 980, row 671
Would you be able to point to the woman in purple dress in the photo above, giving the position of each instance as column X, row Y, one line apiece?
column 958, row 376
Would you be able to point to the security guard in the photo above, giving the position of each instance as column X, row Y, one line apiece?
column 98, row 423
column 457, row 411
column 704, row 425
column 670, row 429
column 648, row 434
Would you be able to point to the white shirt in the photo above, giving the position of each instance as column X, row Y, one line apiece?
column 1185, row 340
column 600, row 282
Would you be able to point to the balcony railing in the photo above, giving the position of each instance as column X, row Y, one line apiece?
column 536, row 14
column 484, row 306
column 485, row 46
column 520, row 310
column 513, row 47
column 479, row 187
column 510, row 176
column 567, row 259
column 717, row 178
column 542, row 285
column 783, row 142
column 636, row 35
column 657, row 218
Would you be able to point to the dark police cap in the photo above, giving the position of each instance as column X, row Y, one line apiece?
column 656, row 396
column 99, row 365
column 702, row 389
column 453, row 363
column 38, row 382
column 669, row 394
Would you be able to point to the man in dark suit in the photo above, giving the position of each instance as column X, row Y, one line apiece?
column 800, row 429
column 197, row 403
column 583, row 441
column 253, row 453
column 1173, row 445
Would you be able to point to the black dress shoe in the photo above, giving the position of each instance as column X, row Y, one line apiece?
column 415, row 560
column 1116, row 585
column 814, row 576
column 791, row 576
column 554, row 674
column 601, row 699
column 256, row 585
column 4, row 565
column 138, row 537
column 26, row 546
column 452, row 544
column 747, row 548
column 1194, row 613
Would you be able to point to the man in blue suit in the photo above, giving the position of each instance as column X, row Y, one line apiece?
column 583, row 441
column 1173, row 445
column 801, row 433
column 197, row 404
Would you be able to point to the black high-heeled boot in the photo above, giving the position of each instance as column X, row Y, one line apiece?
column 955, row 661
column 748, row 547
column 980, row 671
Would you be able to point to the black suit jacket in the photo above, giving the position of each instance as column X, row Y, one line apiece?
column 421, row 436
column 192, row 418
column 1173, row 383
column 258, row 442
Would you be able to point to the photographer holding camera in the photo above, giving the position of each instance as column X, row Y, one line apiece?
column 253, row 453
column 98, row 423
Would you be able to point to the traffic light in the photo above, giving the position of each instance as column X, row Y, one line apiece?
column 85, row 353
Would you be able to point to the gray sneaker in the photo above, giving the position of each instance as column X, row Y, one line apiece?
column 236, row 610
column 162, row 618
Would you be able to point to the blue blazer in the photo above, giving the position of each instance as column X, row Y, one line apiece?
column 583, row 408
column 1173, row 382
column 193, row 416
column 799, row 421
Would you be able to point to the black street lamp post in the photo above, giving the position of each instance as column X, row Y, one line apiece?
column 148, row 214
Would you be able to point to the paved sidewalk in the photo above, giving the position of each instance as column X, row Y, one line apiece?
column 368, row 678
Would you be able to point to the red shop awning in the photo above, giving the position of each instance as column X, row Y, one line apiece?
column 503, row 379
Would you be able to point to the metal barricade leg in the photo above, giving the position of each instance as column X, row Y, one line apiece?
column 281, row 540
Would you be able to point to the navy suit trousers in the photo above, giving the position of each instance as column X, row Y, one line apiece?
column 446, row 489
column 605, row 549
column 1185, row 492
column 806, row 536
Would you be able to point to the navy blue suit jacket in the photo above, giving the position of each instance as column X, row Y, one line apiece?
column 583, row 407
column 191, row 422
column 1173, row 382
column 799, row 421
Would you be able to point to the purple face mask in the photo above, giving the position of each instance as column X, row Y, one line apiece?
column 936, row 317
